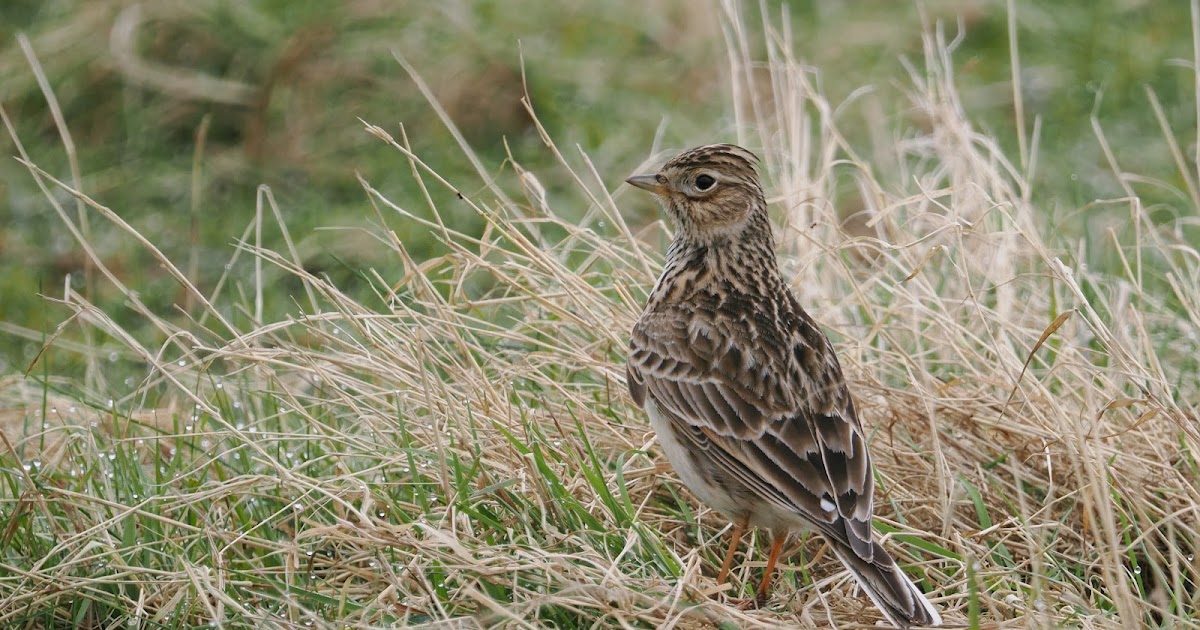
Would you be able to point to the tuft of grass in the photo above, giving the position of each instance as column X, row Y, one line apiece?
column 450, row 444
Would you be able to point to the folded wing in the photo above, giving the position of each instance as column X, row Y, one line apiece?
column 778, row 415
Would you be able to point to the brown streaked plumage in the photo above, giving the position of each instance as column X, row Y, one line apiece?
column 742, row 387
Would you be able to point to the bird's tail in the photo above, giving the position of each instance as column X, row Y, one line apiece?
column 894, row 594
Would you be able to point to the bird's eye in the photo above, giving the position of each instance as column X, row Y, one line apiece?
column 704, row 182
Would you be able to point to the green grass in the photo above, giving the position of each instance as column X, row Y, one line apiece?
column 421, row 418
column 593, row 78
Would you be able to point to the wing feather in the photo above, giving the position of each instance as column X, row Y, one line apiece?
column 788, row 434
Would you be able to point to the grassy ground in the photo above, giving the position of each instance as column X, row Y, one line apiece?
column 420, row 418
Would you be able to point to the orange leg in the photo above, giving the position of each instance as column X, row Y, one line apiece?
column 776, row 547
column 739, row 527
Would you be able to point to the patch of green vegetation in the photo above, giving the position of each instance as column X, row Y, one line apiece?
column 603, row 75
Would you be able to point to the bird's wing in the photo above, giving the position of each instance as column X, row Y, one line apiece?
column 773, row 408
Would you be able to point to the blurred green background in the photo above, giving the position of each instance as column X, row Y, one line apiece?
column 608, row 76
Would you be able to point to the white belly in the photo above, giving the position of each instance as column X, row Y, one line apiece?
column 731, row 498
column 697, row 480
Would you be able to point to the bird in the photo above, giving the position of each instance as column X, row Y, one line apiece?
column 742, row 388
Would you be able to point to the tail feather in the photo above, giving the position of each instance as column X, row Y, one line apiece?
column 894, row 594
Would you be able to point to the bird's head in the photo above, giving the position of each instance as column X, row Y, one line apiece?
column 710, row 192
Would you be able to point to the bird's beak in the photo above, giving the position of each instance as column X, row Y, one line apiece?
column 647, row 182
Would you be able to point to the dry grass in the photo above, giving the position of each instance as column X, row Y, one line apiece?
column 462, row 452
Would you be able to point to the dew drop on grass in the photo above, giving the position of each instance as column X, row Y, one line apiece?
column 113, row 356
column 220, row 385
column 182, row 363
column 1137, row 570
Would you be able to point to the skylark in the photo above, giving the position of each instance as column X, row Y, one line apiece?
column 745, row 391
